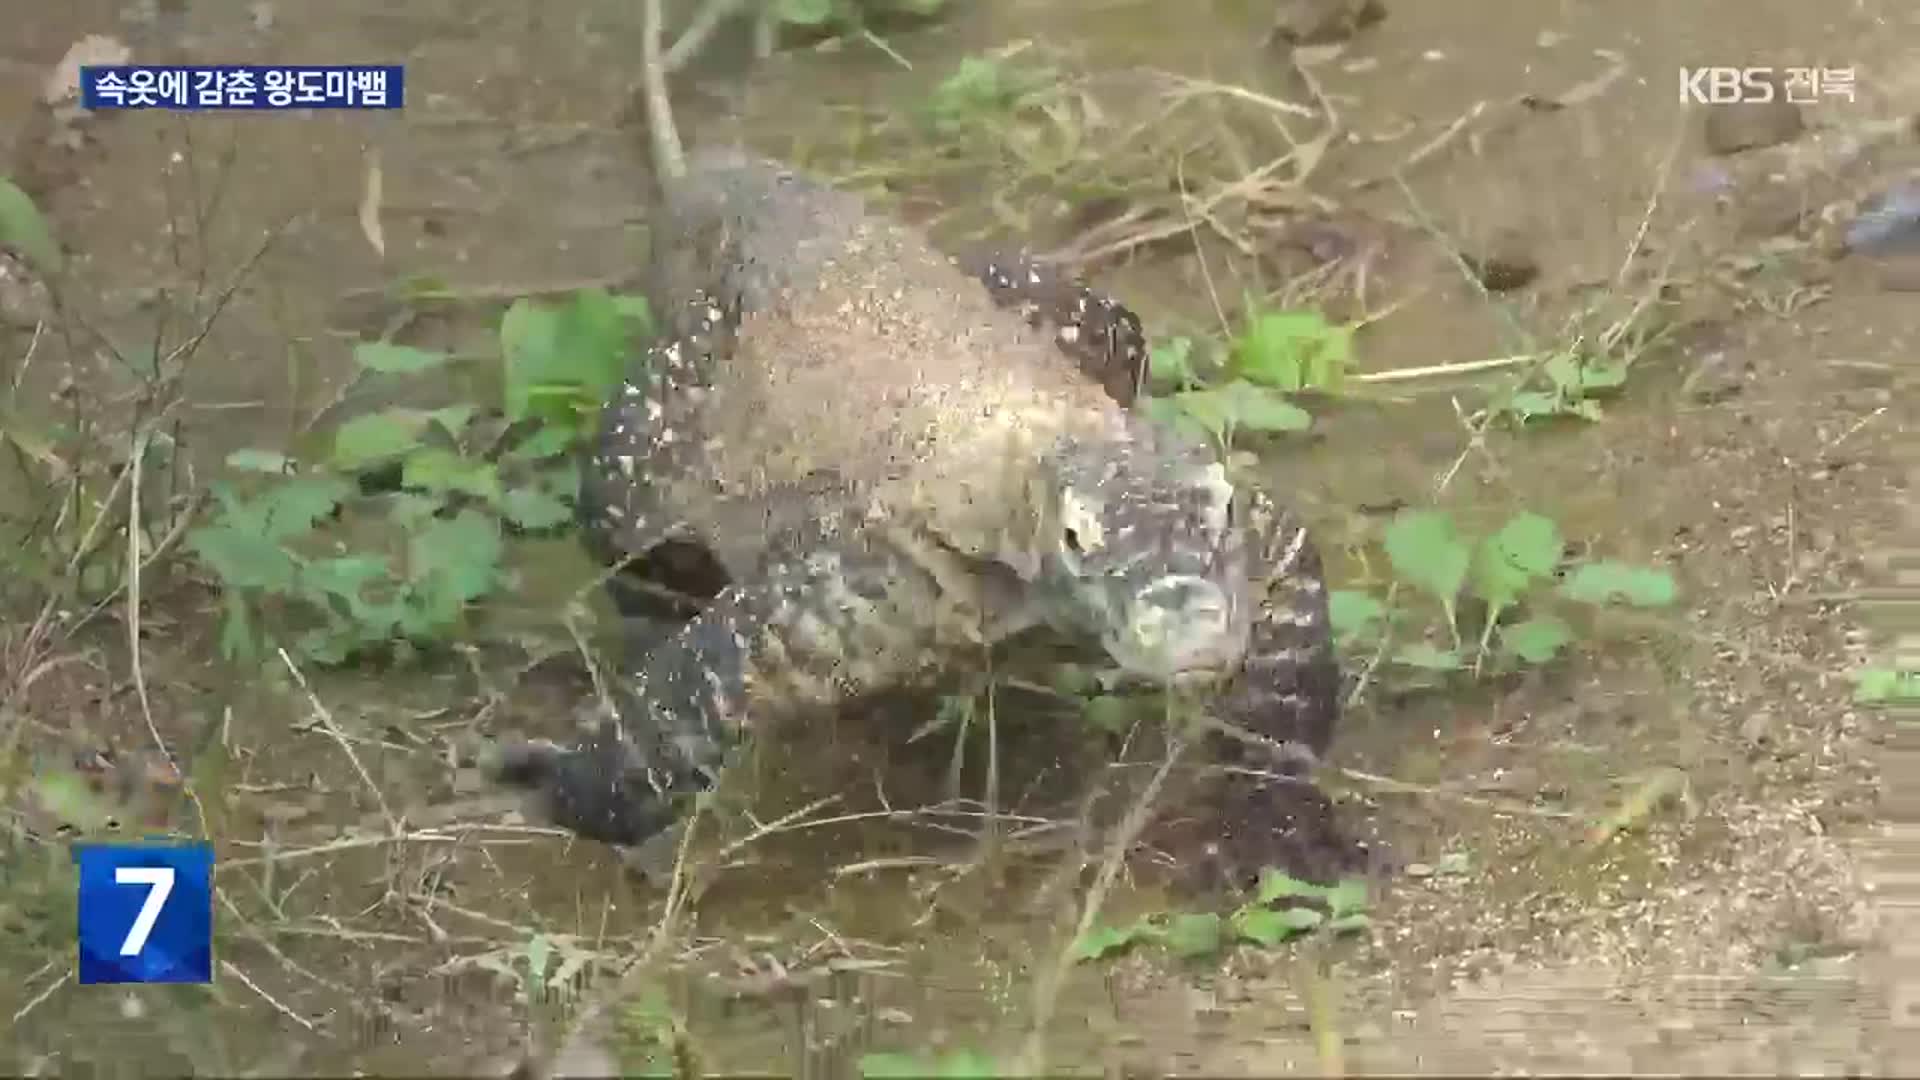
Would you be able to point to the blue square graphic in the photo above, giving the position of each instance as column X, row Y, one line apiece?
column 146, row 913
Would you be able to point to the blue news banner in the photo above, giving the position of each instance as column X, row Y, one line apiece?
column 146, row 913
column 201, row 88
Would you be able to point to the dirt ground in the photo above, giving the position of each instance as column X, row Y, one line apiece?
column 1755, row 454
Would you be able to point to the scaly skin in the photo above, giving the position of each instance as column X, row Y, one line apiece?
column 894, row 474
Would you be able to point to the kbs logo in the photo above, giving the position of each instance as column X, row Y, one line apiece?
column 1762, row 85
column 1726, row 85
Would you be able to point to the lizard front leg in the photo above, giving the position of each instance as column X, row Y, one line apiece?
column 1287, row 692
column 809, row 633
column 1101, row 334
column 1284, row 704
column 624, row 516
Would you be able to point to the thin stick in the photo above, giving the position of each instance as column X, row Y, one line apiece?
column 1463, row 367
column 694, row 37
column 1047, row 993
column 326, row 721
column 227, row 966
column 668, row 159
column 41, row 997
column 134, row 564
column 1428, row 149
column 1499, row 806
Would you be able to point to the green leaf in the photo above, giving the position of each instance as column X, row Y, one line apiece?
column 1574, row 377
column 460, row 555
column 326, row 646
column 529, row 340
column 67, row 797
column 391, row 359
column 1257, row 408
column 539, row 953
column 266, row 461
column 1427, row 554
column 890, row 1065
column 636, row 311
column 1109, row 713
column 1267, row 927
column 1605, row 582
column 1537, row 640
column 804, row 12
column 559, row 359
column 1240, row 404
column 1293, row 350
column 1597, row 375
column 285, row 510
column 24, row 230
column 437, row 469
column 1353, row 612
column 410, row 509
column 1169, row 412
column 560, row 479
column 452, row 419
column 1877, row 686
column 1074, row 680
column 1563, row 371
column 296, row 506
column 378, row 437
column 1192, row 934
column 1170, row 362
column 533, row 509
column 1105, row 940
column 243, row 559
column 1347, row 896
column 1276, row 886
column 594, row 337
column 1529, row 404
column 548, row 440
column 959, row 1065
column 237, row 641
column 346, row 579
column 1528, row 547
column 1429, row 657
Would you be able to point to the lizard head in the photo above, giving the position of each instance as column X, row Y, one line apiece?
column 1142, row 549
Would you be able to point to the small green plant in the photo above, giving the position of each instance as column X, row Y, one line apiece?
column 1569, row 383
column 651, row 1038
column 1283, row 908
column 956, row 1064
column 23, row 230
column 1886, row 686
column 1513, row 571
column 428, row 494
column 982, row 93
column 1278, row 354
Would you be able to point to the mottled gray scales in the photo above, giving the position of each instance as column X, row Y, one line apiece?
column 1101, row 334
column 1288, row 691
column 891, row 464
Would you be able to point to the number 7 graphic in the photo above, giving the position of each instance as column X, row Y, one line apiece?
column 159, row 882
column 146, row 913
